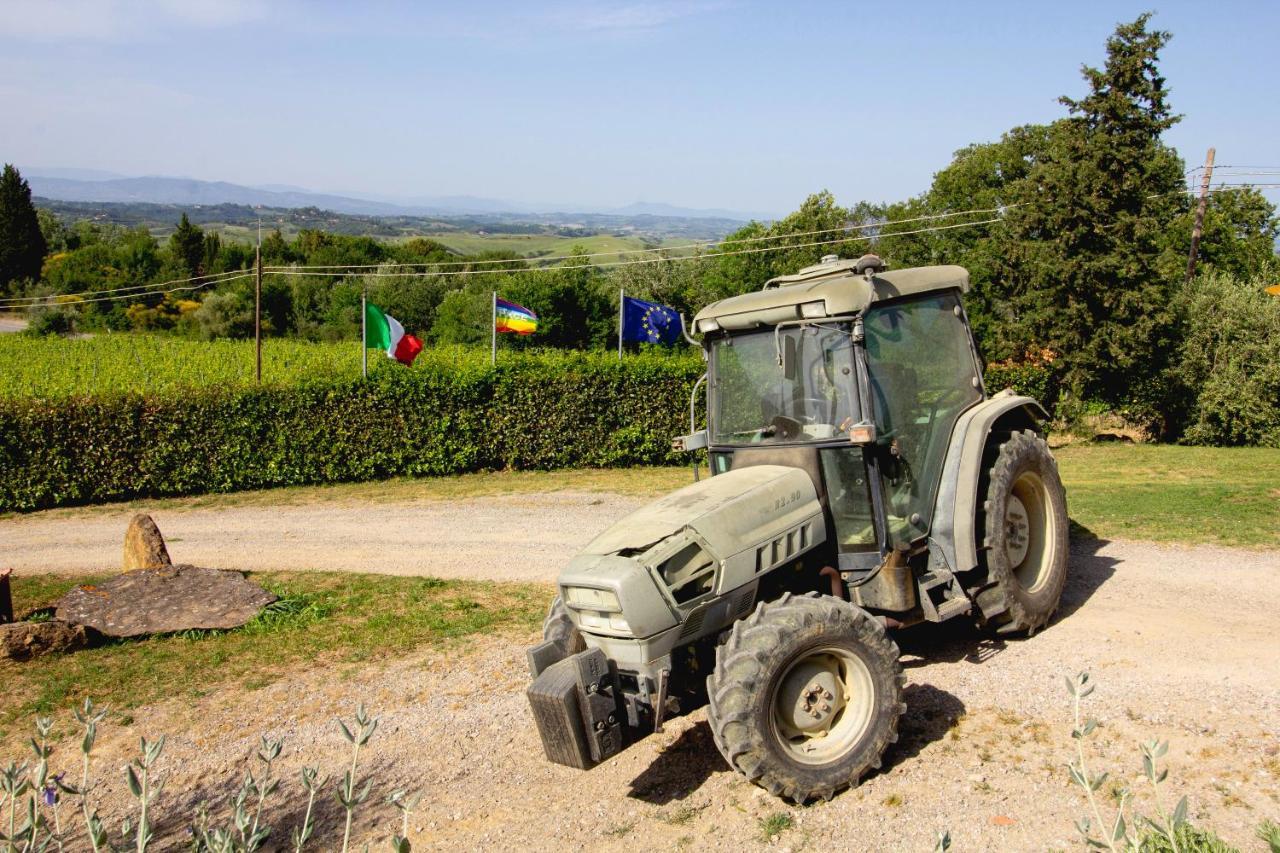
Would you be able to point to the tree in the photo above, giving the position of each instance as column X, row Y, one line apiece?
column 187, row 246
column 1080, row 263
column 22, row 245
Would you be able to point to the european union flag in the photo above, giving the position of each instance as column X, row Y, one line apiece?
column 649, row 322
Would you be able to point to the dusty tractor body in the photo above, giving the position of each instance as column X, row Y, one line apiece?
column 862, row 481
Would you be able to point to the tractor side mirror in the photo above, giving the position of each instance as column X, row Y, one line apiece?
column 789, row 358
column 688, row 443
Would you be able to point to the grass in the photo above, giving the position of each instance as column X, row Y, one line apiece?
column 775, row 824
column 1164, row 493
column 322, row 619
column 535, row 245
column 1158, row 493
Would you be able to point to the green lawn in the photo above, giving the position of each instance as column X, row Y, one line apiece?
column 1161, row 493
column 322, row 618
column 536, row 245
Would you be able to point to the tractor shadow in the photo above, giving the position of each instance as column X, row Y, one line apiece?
column 681, row 768
column 962, row 640
column 931, row 713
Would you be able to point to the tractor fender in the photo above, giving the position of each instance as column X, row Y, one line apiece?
column 955, row 511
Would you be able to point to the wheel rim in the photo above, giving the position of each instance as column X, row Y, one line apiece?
column 1029, row 531
column 822, row 705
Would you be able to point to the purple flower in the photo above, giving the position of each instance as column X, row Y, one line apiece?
column 50, row 793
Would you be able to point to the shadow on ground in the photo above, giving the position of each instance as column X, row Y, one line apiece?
column 681, row 768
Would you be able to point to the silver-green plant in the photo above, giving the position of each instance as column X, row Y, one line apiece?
column 313, row 782
column 347, row 795
column 406, row 803
column 144, row 787
column 1118, row 833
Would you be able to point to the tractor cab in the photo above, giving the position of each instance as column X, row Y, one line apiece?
column 855, row 374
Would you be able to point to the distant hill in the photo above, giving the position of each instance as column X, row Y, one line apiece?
column 87, row 185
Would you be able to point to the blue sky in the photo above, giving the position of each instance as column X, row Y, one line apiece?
column 741, row 105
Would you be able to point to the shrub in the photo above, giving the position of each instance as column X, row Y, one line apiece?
column 447, row 415
column 1230, row 362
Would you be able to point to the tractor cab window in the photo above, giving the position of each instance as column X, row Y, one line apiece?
column 923, row 374
column 795, row 384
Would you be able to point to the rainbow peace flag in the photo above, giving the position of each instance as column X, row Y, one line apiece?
column 515, row 318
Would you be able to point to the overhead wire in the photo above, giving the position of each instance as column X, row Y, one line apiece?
column 216, row 278
column 695, row 245
column 71, row 298
column 295, row 272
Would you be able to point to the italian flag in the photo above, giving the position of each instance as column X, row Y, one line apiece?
column 385, row 332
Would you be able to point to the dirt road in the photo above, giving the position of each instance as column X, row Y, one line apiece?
column 1181, row 641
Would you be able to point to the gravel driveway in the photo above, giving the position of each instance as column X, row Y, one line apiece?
column 1181, row 641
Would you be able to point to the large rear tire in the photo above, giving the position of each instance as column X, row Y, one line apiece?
column 558, row 627
column 1025, row 530
column 806, row 696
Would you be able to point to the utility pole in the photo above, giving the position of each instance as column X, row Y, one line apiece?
column 257, row 306
column 1200, row 208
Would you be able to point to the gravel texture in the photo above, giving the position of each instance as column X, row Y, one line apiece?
column 1182, row 643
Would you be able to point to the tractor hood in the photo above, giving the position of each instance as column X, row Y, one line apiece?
column 732, row 512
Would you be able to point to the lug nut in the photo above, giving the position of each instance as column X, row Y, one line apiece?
column 826, row 707
column 827, row 694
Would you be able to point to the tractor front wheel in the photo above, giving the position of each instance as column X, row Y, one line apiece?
column 1025, row 527
column 806, row 696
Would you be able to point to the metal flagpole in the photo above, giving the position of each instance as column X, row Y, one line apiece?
column 493, row 330
column 257, row 307
column 364, row 334
column 622, row 300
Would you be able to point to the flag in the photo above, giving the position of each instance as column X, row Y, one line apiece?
column 511, row 317
column 385, row 332
column 649, row 322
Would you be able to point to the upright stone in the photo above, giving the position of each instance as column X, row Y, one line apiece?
column 144, row 546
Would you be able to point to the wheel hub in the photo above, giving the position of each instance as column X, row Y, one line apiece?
column 1017, row 531
column 822, row 705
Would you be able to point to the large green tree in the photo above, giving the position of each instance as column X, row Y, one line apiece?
column 22, row 245
column 1080, row 266
column 187, row 246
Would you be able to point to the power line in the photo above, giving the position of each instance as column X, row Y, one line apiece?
column 697, row 245
column 295, row 272
column 69, row 298
column 217, row 278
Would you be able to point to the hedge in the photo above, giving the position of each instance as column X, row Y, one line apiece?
column 443, row 416
column 538, row 411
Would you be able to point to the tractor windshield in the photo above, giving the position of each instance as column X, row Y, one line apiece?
column 795, row 384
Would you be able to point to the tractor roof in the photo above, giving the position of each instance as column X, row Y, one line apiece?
column 837, row 284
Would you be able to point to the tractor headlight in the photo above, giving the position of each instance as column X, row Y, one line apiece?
column 814, row 310
column 584, row 598
column 596, row 608
column 708, row 325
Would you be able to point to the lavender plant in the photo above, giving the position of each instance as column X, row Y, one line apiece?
column 1118, row 833
column 30, row 797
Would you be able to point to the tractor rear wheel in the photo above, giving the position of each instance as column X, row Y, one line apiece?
column 1025, row 528
column 558, row 627
column 806, row 696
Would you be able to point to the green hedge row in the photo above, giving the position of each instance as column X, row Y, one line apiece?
column 543, row 411
column 444, row 416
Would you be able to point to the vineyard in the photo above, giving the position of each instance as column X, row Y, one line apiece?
column 52, row 368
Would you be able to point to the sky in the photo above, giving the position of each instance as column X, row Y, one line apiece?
column 712, row 103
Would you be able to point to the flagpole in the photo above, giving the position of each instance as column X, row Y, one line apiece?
column 493, row 330
column 364, row 334
column 622, row 299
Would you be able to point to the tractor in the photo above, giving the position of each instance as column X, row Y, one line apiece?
column 862, row 481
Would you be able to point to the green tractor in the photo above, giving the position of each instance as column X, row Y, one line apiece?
column 863, row 481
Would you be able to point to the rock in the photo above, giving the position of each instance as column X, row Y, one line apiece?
column 157, row 601
column 25, row 640
column 144, row 546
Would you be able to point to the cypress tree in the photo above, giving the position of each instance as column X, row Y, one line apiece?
column 1080, row 264
column 22, row 245
column 187, row 245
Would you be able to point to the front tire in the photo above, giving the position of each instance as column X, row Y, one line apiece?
column 806, row 696
column 1025, row 525
column 558, row 628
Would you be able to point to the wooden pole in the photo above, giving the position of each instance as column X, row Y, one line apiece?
column 622, row 301
column 493, row 331
column 257, row 307
column 364, row 334
column 1200, row 208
